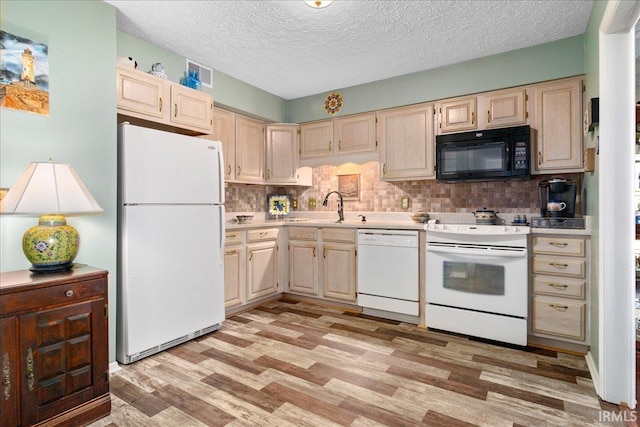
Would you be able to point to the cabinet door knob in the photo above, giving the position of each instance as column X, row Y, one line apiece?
column 69, row 293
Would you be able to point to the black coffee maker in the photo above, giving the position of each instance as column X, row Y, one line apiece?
column 557, row 198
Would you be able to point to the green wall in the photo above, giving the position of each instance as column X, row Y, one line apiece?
column 80, row 129
column 227, row 91
column 562, row 58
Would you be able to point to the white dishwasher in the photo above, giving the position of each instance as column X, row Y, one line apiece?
column 388, row 270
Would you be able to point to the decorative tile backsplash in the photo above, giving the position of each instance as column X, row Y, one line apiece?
column 380, row 196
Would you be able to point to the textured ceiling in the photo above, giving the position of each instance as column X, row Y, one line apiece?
column 291, row 50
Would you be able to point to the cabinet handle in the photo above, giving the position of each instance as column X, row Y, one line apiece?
column 229, row 170
column 558, row 285
column 339, row 145
column 263, row 233
column 559, row 307
column 488, row 116
column 268, row 173
column 175, row 110
column 473, row 118
column 324, row 252
column 69, row 293
column 384, row 169
column 30, row 376
column 314, row 251
column 231, row 252
column 329, row 145
column 558, row 265
column 238, row 169
column 559, row 244
column 250, row 255
column 161, row 104
column 230, row 236
column 539, row 158
column 6, row 376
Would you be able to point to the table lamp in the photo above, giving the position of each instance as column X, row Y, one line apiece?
column 49, row 189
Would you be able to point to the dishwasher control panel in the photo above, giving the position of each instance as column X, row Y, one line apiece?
column 404, row 238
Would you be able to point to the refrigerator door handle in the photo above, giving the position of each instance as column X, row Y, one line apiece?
column 222, row 234
column 221, row 173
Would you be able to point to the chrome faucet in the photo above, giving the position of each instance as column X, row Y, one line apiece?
column 340, row 204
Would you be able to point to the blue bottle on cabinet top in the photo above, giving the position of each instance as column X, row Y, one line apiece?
column 192, row 80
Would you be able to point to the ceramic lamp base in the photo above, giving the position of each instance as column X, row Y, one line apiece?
column 52, row 245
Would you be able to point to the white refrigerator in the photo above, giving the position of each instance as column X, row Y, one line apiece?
column 170, row 240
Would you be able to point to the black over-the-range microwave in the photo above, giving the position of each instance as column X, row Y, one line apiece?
column 485, row 155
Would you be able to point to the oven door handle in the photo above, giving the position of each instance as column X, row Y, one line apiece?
column 488, row 252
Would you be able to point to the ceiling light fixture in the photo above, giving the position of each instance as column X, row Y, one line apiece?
column 317, row 4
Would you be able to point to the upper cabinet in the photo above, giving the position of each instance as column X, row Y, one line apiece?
column 556, row 126
column 346, row 135
column 224, row 130
column 406, row 143
column 249, row 150
column 355, row 134
column 316, row 139
column 458, row 114
column 503, row 108
column 282, row 153
column 146, row 97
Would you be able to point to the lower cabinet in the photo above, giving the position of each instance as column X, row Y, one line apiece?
column 337, row 263
column 262, row 263
column 559, row 288
column 54, row 348
column 234, row 271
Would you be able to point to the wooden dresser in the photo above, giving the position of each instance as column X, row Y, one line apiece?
column 54, row 347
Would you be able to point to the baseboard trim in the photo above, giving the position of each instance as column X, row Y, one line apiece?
column 595, row 377
column 114, row 367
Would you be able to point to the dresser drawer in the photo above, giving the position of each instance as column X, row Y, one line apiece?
column 564, row 266
column 558, row 246
column 559, row 286
column 345, row 235
column 262, row 234
column 53, row 295
column 303, row 233
column 563, row 318
column 233, row 237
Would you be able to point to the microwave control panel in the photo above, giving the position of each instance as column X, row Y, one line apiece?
column 520, row 156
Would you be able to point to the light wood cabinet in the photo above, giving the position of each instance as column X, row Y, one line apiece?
column 303, row 260
column 224, row 130
column 234, row 269
column 316, row 139
column 262, row 263
column 339, row 264
column 503, row 108
column 557, row 126
column 457, row 114
column 249, row 150
column 282, row 153
column 559, row 288
column 54, row 347
column 146, row 97
column 355, row 134
column 406, row 143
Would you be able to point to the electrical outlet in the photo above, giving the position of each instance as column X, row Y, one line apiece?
column 405, row 203
column 294, row 203
column 312, row 204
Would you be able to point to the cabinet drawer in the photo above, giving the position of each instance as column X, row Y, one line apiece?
column 262, row 234
column 43, row 297
column 559, row 286
column 558, row 246
column 563, row 318
column 233, row 237
column 559, row 266
column 338, row 235
column 303, row 233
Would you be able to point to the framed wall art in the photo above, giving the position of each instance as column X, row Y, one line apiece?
column 349, row 186
column 24, row 74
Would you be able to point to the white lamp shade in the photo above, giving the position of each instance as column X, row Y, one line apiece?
column 49, row 188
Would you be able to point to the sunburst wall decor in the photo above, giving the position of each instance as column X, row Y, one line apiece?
column 333, row 103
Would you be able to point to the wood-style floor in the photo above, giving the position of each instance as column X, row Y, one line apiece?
column 294, row 364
